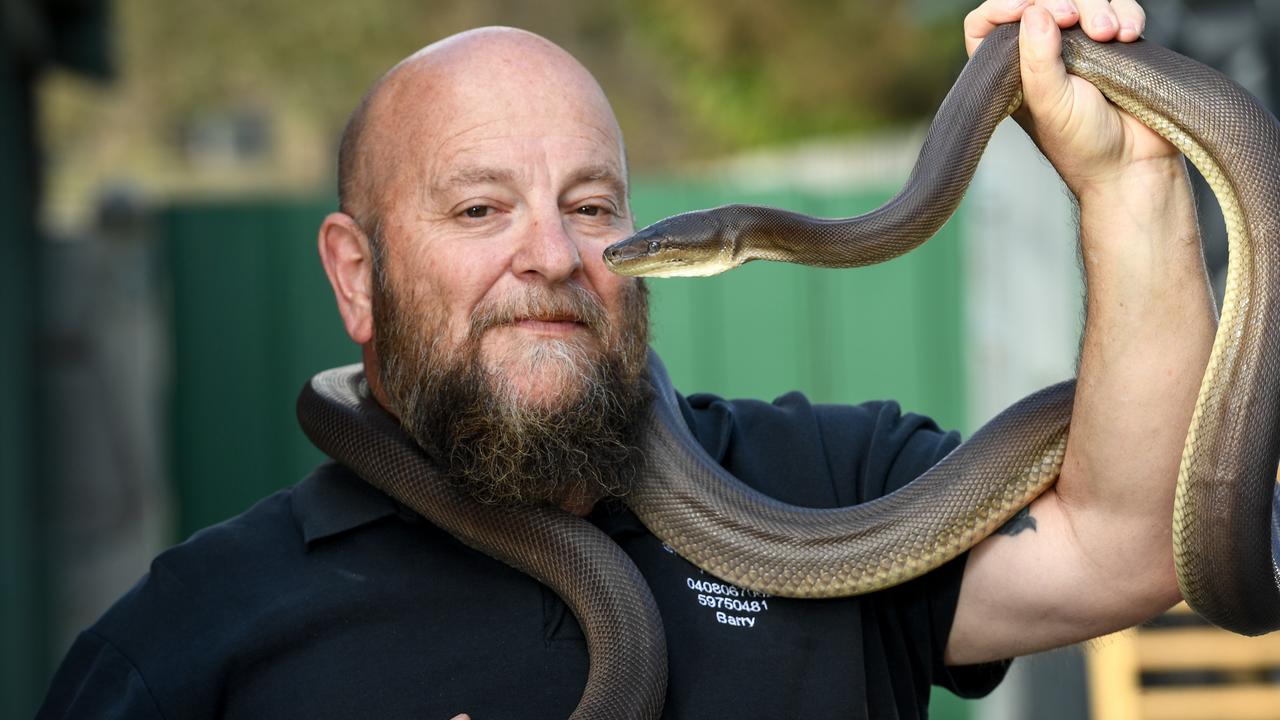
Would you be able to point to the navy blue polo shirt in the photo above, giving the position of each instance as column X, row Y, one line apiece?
column 329, row 600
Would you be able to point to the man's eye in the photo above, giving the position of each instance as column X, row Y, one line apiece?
column 589, row 210
column 477, row 211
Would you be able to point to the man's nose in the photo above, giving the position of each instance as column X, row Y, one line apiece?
column 548, row 250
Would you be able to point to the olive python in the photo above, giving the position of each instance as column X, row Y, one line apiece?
column 1223, row 513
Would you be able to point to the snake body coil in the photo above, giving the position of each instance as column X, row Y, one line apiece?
column 1223, row 513
column 1224, row 497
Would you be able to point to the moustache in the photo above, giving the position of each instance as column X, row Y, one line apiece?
column 569, row 303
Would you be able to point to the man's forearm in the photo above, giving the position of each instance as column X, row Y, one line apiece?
column 1149, row 328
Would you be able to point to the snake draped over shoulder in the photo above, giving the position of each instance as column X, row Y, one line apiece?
column 1224, row 497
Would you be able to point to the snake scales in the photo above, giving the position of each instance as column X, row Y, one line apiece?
column 1224, row 497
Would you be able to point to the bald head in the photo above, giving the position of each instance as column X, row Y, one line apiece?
column 468, row 78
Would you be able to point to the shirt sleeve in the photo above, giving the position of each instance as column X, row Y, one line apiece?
column 96, row 681
column 887, row 449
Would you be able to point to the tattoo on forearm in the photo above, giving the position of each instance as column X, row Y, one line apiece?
column 1016, row 524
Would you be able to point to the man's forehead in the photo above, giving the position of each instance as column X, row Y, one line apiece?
column 467, row 175
column 499, row 69
column 466, row 107
column 453, row 116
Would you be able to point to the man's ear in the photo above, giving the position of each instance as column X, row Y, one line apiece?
column 348, row 261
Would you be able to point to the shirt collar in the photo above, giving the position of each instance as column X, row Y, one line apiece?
column 333, row 499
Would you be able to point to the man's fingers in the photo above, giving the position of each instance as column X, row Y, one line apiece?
column 1133, row 19
column 1065, row 12
column 1099, row 20
column 982, row 20
column 1102, row 20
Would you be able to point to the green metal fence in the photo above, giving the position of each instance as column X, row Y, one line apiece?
column 252, row 318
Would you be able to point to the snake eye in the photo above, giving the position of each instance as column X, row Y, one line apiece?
column 654, row 245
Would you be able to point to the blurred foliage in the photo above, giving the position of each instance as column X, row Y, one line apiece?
column 761, row 71
column 689, row 79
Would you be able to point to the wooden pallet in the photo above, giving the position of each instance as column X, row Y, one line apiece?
column 1181, row 668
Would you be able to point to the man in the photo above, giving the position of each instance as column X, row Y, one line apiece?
column 480, row 181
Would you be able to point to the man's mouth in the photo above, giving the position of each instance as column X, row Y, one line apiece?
column 550, row 325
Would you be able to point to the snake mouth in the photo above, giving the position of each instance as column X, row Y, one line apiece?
column 652, row 267
column 663, row 265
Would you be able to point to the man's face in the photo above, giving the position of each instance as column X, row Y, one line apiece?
column 501, row 204
column 503, row 340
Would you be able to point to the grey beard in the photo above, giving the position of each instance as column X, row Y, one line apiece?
column 495, row 446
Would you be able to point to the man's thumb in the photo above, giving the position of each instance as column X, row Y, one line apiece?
column 1044, row 77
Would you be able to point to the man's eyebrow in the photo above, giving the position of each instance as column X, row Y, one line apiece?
column 477, row 175
column 606, row 174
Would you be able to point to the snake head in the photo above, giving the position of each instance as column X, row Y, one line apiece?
column 686, row 245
